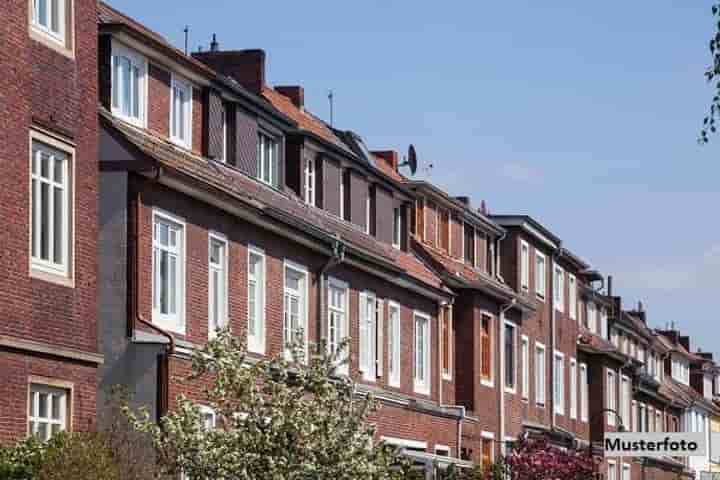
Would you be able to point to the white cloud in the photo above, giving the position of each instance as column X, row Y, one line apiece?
column 520, row 173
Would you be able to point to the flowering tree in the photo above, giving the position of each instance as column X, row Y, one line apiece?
column 275, row 420
column 538, row 460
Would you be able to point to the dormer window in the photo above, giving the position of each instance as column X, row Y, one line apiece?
column 680, row 370
column 181, row 112
column 128, row 85
column 469, row 245
column 310, row 181
column 267, row 159
column 397, row 227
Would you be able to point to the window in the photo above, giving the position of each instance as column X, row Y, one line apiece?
column 268, row 161
column 168, row 272
column 295, row 306
column 444, row 230
column 633, row 420
column 368, row 335
column 591, row 317
column 540, row 274
column 486, row 376
column 181, row 112
column 584, row 392
column 209, row 418
column 524, row 266
column 510, row 359
column 488, row 448
column 217, row 283
column 611, row 397
column 310, row 181
column 368, row 211
column 469, row 245
column 51, row 209
column 625, row 398
column 337, row 328
column 615, row 337
column 48, row 411
column 422, row 353
column 128, row 85
column 603, row 323
column 572, row 290
column 540, row 373
column 641, row 418
column 625, row 471
column 446, row 332
column 224, row 115
column 394, row 344
column 256, row 300
column 573, row 388
column 525, row 367
column 559, row 289
column 559, row 383
column 612, row 470
column 397, row 227
column 48, row 17
column 659, row 427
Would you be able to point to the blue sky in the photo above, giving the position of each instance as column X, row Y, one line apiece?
column 583, row 115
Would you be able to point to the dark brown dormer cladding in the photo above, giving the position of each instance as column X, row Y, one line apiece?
column 359, row 195
column 213, row 136
column 294, row 166
column 331, row 178
column 384, row 207
column 246, row 139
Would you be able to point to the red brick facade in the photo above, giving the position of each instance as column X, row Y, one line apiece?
column 48, row 332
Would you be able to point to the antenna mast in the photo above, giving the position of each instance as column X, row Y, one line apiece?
column 330, row 99
column 186, row 30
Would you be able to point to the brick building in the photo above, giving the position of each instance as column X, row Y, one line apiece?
column 48, row 217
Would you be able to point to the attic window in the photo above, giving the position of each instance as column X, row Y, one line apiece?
column 267, row 159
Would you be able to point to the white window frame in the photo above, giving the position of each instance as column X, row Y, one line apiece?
column 179, row 83
column 224, row 113
column 584, row 392
column 592, row 317
column 559, row 289
column 59, row 36
column 256, row 342
column 342, row 329
column 445, row 314
column 625, row 399
column 342, row 194
column 222, row 308
column 397, row 228
column 270, row 177
column 573, row 388
column 367, row 351
column 612, row 470
column 559, row 382
column 310, row 186
column 525, row 359
column 524, row 265
column 611, row 395
column 394, row 342
column 422, row 385
column 48, row 269
column 173, row 322
column 137, row 61
column 540, row 276
column 626, row 472
column 572, row 287
column 493, row 335
column 63, row 395
column 603, row 323
column 210, row 413
column 510, row 389
column 540, row 374
column 304, row 310
column 367, row 213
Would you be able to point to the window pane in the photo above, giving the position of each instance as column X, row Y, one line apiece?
column 42, row 431
column 115, row 79
column 42, row 9
column 58, row 217
column 163, row 282
column 136, row 92
column 56, row 407
column 44, row 165
column 125, row 72
column 172, row 284
column 44, row 221
column 43, row 405
column 252, row 307
column 55, row 16
column 34, row 210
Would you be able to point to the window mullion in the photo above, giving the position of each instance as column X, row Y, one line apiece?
column 51, row 211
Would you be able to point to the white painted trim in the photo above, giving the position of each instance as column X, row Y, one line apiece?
column 540, row 346
column 512, row 390
column 401, row 442
column 559, row 407
column 394, row 377
column 298, row 268
column 343, row 369
column 185, row 85
column 119, row 48
column 257, row 345
column 161, row 320
column 424, row 387
column 219, row 237
column 525, row 355
column 541, row 295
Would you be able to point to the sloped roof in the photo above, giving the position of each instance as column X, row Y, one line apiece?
column 258, row 195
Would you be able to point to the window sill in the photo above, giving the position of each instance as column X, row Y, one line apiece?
column 51, row 42
column 510, row 390
column 487, row 383
column 57, row 278
column 447, row 376
column 421, row 390
column 135, row 122
column 169, row 325
column 184, row 144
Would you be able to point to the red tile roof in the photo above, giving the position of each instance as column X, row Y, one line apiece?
column 259, row 195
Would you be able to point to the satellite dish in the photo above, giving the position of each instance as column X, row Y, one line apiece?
column 411, row 160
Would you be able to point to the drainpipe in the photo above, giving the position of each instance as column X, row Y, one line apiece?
column 137, row 316
column 553, row 320
column 501, row 380
column 460, row 408
column 499, row 240
column 336, row 257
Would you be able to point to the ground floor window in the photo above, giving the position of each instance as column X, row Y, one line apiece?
column 47, row 411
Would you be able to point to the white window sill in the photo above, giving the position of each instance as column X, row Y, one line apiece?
column 487, row 383
column 169, row 324
column 394, row 384
column 540, row 405
column 421, row 389
column 51, row 41
column 558, row 412
column 256, row 349
column 540, row 297
column 41, row 272
column 137, row 122
column 446, row 376
column 510, row 390
column 525, row 400
column 178, row 142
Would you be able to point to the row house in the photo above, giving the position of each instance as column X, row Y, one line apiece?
column 225, row 203
column 48, row 218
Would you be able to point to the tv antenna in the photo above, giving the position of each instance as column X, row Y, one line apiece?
column 186, row 31
column 330, row 100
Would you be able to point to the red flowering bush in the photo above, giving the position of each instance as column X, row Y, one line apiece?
column 538, row 460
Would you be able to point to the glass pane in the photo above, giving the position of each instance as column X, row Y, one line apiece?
column 172, row 284
column 252, row 267
column 44, row 221
column 163, row 230
column 59, row 170
column 115, row 78
column 55, row 407
column 43, row 405
column 33, row 398
column 136, row 92
column 33, row 427
column 55, row 16
column 58, row 220
column 42, row 9
column 216, row 253
column 292, row 281
column 156, row 286
column 125, row 72
column 163, row 282
column 42, row 431
column 33, row 206
column 251, row 308
column 215, row 299
column 44, row 165
column 55, row 428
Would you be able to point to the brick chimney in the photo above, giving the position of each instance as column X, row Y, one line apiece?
column 295, row 93
column 390, row 157
column 685, row 342
column 247, row 67
column 464, row 200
